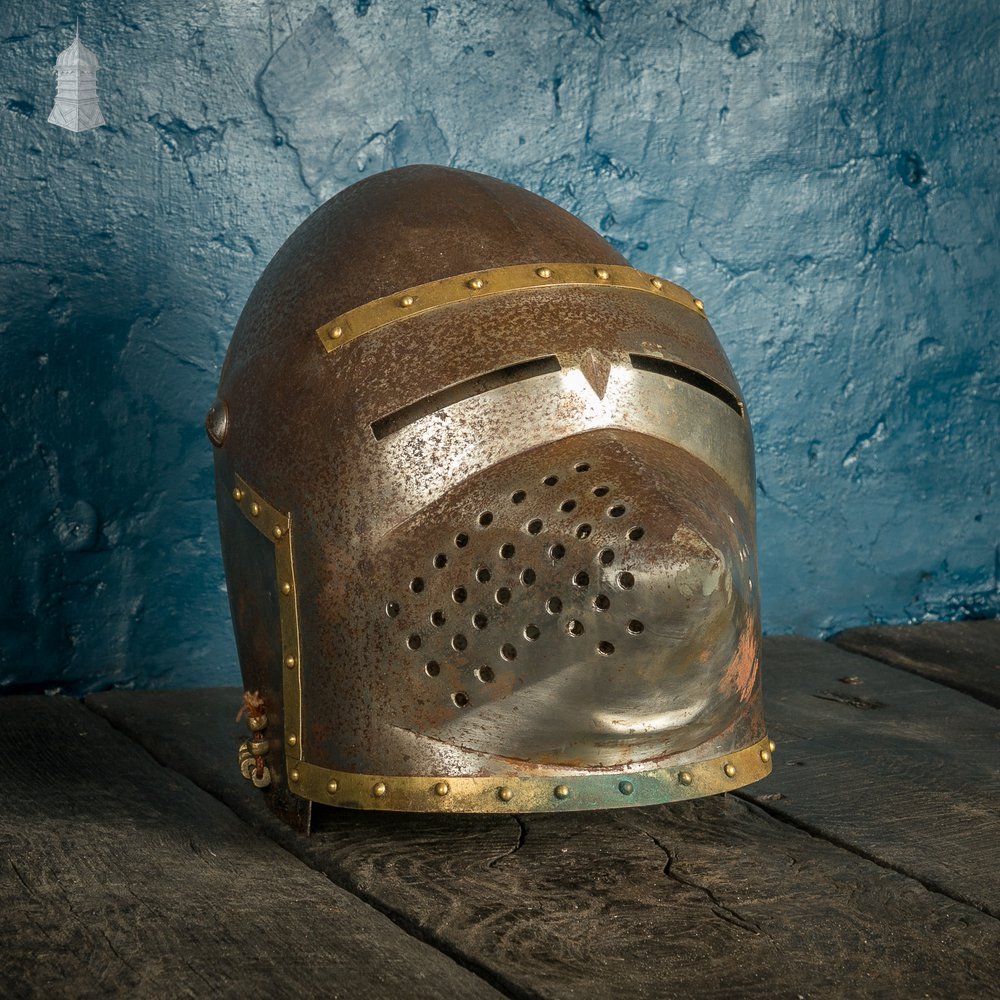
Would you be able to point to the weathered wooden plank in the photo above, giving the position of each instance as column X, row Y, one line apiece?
column 710, row 898
column 898, row 767
column 961, row 655
column 119, row 878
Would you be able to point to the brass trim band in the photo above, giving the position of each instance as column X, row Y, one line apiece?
column 277, row 528
column 521, row 793
column 494, row 281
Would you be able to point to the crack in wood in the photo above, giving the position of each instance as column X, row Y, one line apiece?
column 719, row 908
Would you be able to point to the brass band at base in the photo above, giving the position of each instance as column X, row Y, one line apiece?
column 495, row 281
column 521, row 793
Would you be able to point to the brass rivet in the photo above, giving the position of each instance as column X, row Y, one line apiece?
column 441, row 788
column 656, row 283
column 765, row 755
column 626, row 787
column 601, row 273
column 699, row 305
column 561, row 791
column 684, row 778
column 237, row 494
column 772, row 746
column 332, row 786
column 294, row 776
column 379, row 789
column 336, row 333
column 277, row 531
column 292, row 740
column 290, row 662
column 406, row 300
column 286, row 588
column 730, row 770
column 544, row 272
column 255, row 509
column 505, row 794
column 475, row 283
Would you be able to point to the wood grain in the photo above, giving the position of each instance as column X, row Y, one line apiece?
column 710, row 898
column 962, row 655
column 899, row 768
column 120, row 878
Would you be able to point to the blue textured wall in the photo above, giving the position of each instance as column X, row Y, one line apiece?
column 823, row 175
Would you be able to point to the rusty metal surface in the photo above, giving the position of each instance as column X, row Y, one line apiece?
column 523, row 526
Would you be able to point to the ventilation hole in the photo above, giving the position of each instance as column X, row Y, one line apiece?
column 583, row 531
column 553, row 605
column 567, row 506
column 508, row 652
column 534, row 526
column 602, row 491
column 483, row 574
column 634, row 534
column 583, row 467
column 392, row 609
column 461, row 540
column 519, row 497
column 528, row 576
column 626, row 581
column 531, row 632
column 607, row 557
column 460, row 698
column 432, row 668
column 616, row 511
column 503, row 596
column 550, row 480
column 574, row 627
column 459, row 594
column 507, row 551
column 479, row 620
column 485, row 519
column 605, row 648
column 417, row 584
column 635, row 626
column 413, row 641
column 438, row 619
column 602, row 602
column 582, row 579
column 440, row 561
column 484, row 674
column 557, row 551
column 459, row 642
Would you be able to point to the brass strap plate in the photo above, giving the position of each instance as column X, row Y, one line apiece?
column 495, row 281
column 277, row 528
column 522, row 792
